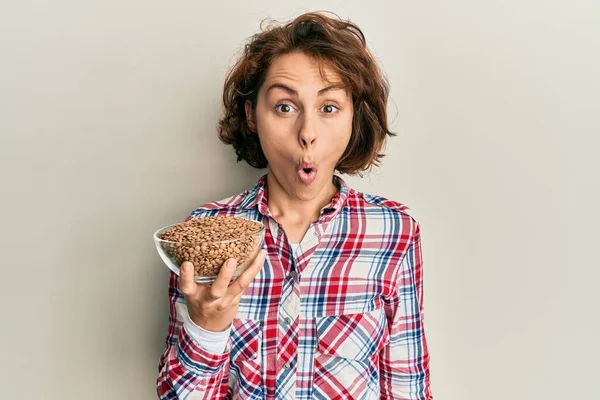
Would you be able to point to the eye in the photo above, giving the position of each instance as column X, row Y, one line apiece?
column 284, row 108
column 330, row 108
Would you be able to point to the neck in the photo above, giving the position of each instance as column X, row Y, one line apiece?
column 283, row 206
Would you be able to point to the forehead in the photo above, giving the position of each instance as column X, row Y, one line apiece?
column 301, row 70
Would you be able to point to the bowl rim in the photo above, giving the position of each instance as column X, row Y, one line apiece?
column 164, row 228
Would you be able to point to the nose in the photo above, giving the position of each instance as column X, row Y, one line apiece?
column 307, row 134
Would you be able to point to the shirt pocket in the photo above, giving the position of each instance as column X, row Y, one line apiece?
column 347, row 354
column 246, row 338
column 356, row 336
column 245, row 372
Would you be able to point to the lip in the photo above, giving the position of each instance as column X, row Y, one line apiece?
column 308, row 164
column 307, row 177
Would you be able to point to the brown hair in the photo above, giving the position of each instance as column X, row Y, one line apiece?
column 341, row 45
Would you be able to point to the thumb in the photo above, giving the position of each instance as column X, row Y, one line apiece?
column 186, row 279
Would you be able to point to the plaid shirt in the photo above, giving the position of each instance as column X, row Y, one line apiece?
column 339, row 318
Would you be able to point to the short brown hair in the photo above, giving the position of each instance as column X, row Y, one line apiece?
column 339, row 44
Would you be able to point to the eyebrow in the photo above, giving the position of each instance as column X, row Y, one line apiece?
column 295, row 93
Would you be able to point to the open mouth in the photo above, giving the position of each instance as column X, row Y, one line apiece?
column 307, row 172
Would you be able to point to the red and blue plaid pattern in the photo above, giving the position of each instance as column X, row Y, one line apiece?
column 339, row 318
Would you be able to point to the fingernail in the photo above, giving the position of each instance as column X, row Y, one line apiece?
column 231, row 263
column 186, row 267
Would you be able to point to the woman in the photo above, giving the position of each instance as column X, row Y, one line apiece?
column 333, row 308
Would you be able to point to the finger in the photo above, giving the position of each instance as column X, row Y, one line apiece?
column 219, row 286
column 186, row 279
column 241, row 283
column 238, row 297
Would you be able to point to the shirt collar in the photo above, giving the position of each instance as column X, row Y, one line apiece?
column 257, row 197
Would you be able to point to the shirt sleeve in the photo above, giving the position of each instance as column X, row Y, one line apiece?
column 404, row 362
column 186, row 369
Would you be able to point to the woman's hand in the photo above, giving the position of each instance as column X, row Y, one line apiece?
column 214, row 307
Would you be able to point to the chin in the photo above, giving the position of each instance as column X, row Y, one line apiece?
column 306, row 195
column 308, row 192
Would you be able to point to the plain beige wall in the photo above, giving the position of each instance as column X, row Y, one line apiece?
column 107, row 132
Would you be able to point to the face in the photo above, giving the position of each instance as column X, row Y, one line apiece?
column 304, row 123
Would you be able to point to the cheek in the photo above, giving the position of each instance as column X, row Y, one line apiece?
column 274, row 147
column 269, row 134
column 342, row 136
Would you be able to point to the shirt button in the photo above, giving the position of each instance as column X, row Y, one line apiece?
column 293, row 275
column 287, row 320
column 286, row 366
column 279, row 231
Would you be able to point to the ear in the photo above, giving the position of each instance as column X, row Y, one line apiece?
column 250, row 115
